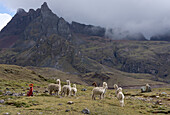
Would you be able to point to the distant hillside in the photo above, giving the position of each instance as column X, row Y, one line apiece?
column 14, row 74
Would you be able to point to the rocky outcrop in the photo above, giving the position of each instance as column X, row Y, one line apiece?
column 64, row 28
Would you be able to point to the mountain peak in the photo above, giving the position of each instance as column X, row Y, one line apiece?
column 45, row 7
column 21, row 11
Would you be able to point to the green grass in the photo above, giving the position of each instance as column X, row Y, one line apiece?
column 108, row 106
column 17, row 79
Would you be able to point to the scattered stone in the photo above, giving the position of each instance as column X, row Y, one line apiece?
column 35, row 91
column 1, row 92
column 35, row 104
column 46, row 91
column 157, row 96
column 7, row 88
column 158, row 102
column 60, row 104
column 15, row 94
column 6, row 113
column 83, row 89
column 8, row 93
column 13, row 88
column 70, row 102
column 18, row 113
column 86, row 111
column 18, row 94
column 22, row 87
column 67, row 110
column 40, row 113
column 164, row 93
column 2, row 101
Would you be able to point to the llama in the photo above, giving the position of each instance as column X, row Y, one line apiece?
column 55, row 87
column 66, row 89
column 120, row 96
column 99, row 91
column 116, row 88
column 146, row 88
column 94, row 84
column 74, row 90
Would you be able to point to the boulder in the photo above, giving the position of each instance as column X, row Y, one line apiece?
column 86, row 111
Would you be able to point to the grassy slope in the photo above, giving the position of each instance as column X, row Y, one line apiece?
column 111, row 76
column 15, row 77
column 51, row 73
column 36, row 75
column 50, row 104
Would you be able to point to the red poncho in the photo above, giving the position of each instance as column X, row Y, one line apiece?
column 30, row 92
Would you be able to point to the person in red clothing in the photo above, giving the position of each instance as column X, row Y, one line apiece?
column 30, row 92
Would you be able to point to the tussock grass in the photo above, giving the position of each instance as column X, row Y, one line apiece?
column 46, row 104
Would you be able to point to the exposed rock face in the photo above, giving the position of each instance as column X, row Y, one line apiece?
column 28, row 27
column 64, row 28
column 15, row 28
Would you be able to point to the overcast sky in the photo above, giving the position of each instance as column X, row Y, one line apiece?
column 146, row 16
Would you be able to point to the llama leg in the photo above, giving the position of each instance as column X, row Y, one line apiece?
column 100, row 96
column 74, row 93
column 67, row 92
column 103, row 95
column 55, row 92
column 50, row 92
column 123, row 103
column 92, row 96
column 62, row 93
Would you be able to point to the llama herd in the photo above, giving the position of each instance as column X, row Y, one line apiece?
column 66, row 89
column 97, row 91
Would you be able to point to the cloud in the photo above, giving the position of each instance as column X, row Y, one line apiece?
column 147, row 16
column 5, row 18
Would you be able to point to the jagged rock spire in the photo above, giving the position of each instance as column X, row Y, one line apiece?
column 21, row 11
column 44, row 7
